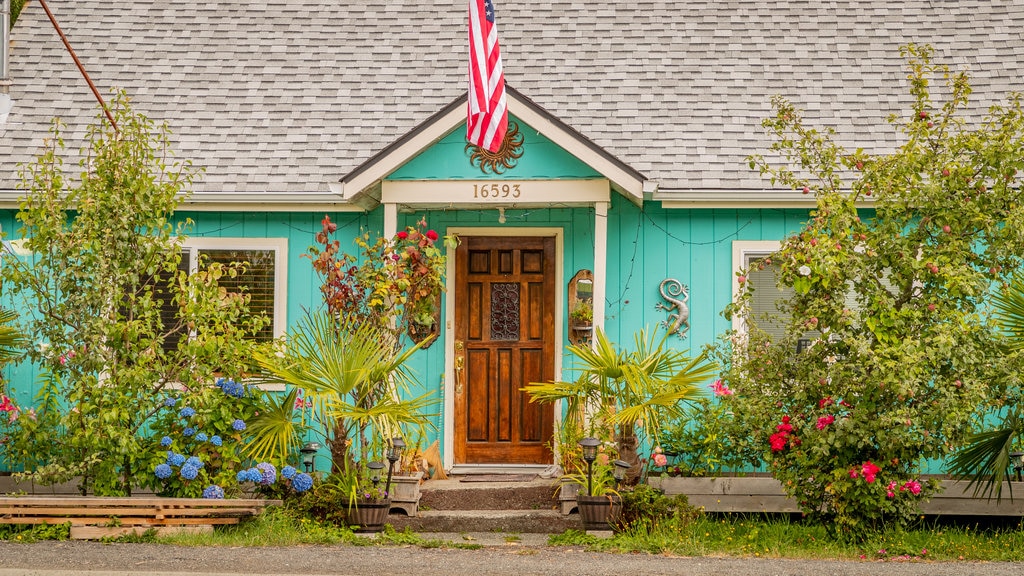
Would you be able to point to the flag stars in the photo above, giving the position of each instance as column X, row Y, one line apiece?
column 489, row 10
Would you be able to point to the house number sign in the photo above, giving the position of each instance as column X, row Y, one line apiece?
column 496, row 191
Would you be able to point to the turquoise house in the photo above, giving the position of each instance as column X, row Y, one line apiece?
column 624, row 182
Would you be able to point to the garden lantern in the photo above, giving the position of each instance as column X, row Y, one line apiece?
column 621, row 467
column 375, row 468
column 394, row 453
column 1017, row 460
column 309, row 450
column 589, row 446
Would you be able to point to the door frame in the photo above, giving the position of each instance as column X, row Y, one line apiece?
column 448, row 410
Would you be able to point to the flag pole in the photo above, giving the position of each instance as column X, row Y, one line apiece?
column 78, row 62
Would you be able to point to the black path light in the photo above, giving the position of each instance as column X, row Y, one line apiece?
column 394, row 453
column 375, row 468
column 1017, row 460
column 621, row 467
column 309, row 450
column 589, row 446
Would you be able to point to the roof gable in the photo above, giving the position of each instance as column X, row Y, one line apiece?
column 540, row 158
column 362, row 185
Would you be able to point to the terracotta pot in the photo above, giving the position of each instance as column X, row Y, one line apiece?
column 369, row 516
column 599, row 512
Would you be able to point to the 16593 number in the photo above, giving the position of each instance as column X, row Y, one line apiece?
column 496, row 190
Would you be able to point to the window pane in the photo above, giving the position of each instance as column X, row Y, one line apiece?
column 763, row 308
column 257, row 281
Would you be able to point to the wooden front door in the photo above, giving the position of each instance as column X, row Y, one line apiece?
column 504, row 339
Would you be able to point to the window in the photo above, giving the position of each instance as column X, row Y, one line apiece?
column 264, row 279
column 766, row 290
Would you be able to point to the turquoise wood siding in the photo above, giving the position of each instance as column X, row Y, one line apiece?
column 448, row 159
column 693, row 246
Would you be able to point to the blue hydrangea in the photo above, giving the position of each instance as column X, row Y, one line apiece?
column 302, row 482
column 194, row 461
column 170, row 401
column 242, row 476
column 238, row 425
column 213, row 492
column 162, row 471
column 267, row 472
column 187, row 412
column 220, row 382
column 175, row 459
column 288, row 472
column 189, row 472
column 215, row 440
column 188, row 431
column 201, row 437
column 255, row 475
column 166, row 441
column 232, row 388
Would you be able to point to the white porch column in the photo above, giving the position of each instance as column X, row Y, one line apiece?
column 600, row 261
column 390, row 219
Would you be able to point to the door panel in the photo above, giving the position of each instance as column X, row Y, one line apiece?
column 504, row 332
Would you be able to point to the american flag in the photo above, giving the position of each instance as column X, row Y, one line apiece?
column 487, row 121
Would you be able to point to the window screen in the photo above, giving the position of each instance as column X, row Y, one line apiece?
column 257, row 281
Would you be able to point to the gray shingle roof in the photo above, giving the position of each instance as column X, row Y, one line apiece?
column 288, row 96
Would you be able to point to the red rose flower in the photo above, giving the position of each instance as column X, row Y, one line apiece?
column 432, row 235
column 402, row 235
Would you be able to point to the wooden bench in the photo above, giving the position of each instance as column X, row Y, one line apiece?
column 94, row 517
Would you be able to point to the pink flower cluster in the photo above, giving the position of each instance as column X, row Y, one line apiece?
column 721, row 389
column 7, row 406
column 912, row 486
column 824, row 421
column 868, row 470
column 778, row 440
column 659, row 457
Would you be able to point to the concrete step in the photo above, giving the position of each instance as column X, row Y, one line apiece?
column 455, row 494
column 510, row 521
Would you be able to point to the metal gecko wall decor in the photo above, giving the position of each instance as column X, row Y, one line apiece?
column 506, row 157
column 678, row 321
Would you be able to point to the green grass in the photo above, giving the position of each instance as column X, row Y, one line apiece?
column 781, row 538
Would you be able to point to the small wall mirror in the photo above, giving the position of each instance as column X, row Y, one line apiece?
column 581, row 307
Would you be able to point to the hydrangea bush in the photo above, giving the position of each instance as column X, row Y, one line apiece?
column 198, row 439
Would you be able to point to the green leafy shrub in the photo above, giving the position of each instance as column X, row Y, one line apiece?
column 888, row 351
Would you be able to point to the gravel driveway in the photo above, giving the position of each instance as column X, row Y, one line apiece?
column 97, row 559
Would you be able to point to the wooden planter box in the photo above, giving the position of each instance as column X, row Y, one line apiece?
column 567, row 492
column 405, row 493
column 765, row 494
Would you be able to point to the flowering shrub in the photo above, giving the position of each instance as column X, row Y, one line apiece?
column 201, row 434
column 888, row 350
column 396, row 283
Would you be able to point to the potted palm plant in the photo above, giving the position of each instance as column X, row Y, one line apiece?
column 626, row 392
column 358, row 392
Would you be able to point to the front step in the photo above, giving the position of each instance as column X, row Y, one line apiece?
column 455, row 505
column 512, row 521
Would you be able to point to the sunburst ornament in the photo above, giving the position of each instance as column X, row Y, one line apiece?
column 505, row 158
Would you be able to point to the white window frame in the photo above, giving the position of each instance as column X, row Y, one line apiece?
column 741, row 251
column 280, row 248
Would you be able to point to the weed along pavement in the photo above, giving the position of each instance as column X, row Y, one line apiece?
column 496, row 556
